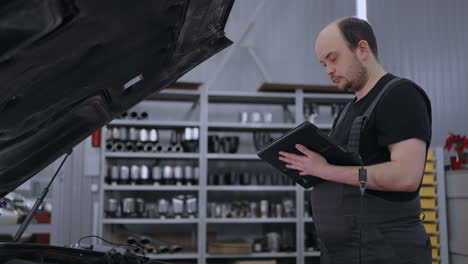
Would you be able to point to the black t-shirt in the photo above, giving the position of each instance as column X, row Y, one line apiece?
column 402, row 113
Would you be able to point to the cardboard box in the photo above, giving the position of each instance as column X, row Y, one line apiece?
column 230, row 247
column 271, row 261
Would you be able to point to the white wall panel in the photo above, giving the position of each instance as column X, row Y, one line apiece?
column 274, row 42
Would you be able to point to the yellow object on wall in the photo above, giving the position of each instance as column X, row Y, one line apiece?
column 431, row 228
column 428, row 191
column 430, row 167
column 429, row 216
column 428, row 203
column 428, row 179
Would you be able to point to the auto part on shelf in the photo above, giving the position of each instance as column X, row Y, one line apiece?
column 175, row 249
column 159, row 148
column 143, row 115
column 178, row 175
column 144, row 175
column 192, row 206
column 264, row 208
column 168, row 175
column 163, row 207
column 178, row 206
column 273, row 241
column 124, row 175
column 133, row 134
column 177, row 148
column 109, row 146
column 139, row 207
column 111, row 208
column 133, row 115
column 156, row 175
column 128, row 207
column 153, row 135
column 118, row 147
column 139, row 146
column 143, row 135
column 188, row 174
column 115, row 133
column 123, row 133
column 134, row 174
column 130, row 146
column 148, row 147
column 114, row 175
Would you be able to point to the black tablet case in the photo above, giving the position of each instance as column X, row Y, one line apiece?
column 314, row 139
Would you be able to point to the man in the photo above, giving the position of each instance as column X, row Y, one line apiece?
column 383, row 225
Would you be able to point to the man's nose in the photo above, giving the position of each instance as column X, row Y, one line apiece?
column 330, row 70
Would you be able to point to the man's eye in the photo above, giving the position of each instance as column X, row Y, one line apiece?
column 333, row 59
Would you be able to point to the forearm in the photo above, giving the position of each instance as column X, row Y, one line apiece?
column 388, row 176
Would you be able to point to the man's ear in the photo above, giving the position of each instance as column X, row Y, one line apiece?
column 363, row 50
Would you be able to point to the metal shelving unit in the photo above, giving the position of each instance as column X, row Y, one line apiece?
column 232, row 156
column 250, row 220
column 147, row 221
column 204, row 99
column 173, row 256
column 154, row 123
column 214, row 126
column 150, row 188
column 255, row 255
column 249, row 188
column 151, row 155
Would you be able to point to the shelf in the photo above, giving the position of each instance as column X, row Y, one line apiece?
column 250, row 98
column 231, row 126
column 249, row 220
column 173, row 256
column 257, row 255
column 174, row 95
column 329, row 97
column 312, row 254
column 33, row 228
column 136, row 155
column 249, row 188
column 150, row 188
column 232, row 156
column 324, row 126
column 154, row 123
column 124, row 221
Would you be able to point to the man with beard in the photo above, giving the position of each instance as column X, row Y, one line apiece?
column 389, row 125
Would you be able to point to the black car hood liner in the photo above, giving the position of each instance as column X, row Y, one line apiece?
column 66, row 67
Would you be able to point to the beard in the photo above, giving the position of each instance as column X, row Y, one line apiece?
column 359, row 77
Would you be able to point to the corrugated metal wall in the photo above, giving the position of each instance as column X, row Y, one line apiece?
column 426, row 41
column 274, row 42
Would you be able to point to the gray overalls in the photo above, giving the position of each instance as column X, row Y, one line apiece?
column 354, row 230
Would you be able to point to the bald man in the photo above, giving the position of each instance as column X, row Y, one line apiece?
column 389, row 125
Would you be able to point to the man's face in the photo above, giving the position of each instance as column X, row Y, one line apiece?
column 342, row 65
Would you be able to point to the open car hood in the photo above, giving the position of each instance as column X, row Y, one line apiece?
column 68, row 67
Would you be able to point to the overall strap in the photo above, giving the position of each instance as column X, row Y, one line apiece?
column 340, row 117
column 360, row 122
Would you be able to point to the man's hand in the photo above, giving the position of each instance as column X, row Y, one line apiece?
column 311, row 163
column 401, row 174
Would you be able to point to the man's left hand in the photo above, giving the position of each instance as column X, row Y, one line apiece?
column 311, row 163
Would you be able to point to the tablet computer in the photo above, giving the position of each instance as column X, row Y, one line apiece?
column 314, row 139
